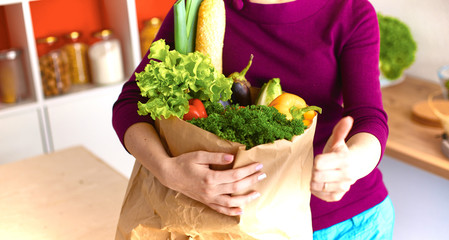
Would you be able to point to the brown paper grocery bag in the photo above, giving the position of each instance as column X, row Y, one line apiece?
column 152, row 211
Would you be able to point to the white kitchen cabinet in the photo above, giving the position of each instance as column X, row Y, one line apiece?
column 83, row 116
column 420, row 200
column 86, row 119
column 20, row 135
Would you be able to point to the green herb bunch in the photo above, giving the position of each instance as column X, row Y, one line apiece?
column 172, row 78
column 251, row 126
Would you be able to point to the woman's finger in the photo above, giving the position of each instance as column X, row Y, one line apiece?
column 233, row 205
column 241, row 185
column 337, row 140
column 340, row 132
column 334, row 175
column 210, row 158
column 329, row 161
column 230, row 211
column 236, row 174
column 331, row 187
column 330, row 191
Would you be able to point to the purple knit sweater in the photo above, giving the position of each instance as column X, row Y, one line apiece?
column 325, row 51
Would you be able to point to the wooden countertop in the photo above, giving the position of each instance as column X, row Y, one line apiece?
column 69, row 194
column 410, row 141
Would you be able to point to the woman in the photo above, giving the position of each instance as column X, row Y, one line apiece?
column 325, row 51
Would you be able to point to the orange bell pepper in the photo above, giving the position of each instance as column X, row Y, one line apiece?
column 293, row 106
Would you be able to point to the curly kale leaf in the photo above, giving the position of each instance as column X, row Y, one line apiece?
column 172, row 78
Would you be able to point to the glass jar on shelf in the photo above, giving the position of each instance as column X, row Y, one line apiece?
column 13, row 85
column 148, row 33
column 54, row 66
column 76, row 51
column 105, row 58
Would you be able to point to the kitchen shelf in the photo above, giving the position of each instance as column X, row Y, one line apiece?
column 22, row 22
column 82, row 92
column 22, row 106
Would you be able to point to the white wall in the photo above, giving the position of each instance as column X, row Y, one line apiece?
column 428, row 21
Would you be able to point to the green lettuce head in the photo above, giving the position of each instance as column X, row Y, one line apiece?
column 397, row 46
column 171, row 79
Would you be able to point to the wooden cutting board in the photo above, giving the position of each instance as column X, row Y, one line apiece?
column 422, row 112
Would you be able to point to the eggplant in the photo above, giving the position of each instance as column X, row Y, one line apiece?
column 241, row 87
column 224, row 103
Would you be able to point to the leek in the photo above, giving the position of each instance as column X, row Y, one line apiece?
column 186, row 15
column 180, row 27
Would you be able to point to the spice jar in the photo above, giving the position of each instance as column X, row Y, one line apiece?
column 105, row 58
column 148, row 33
column 77, row 58
column 13, row 87
column 53, row 63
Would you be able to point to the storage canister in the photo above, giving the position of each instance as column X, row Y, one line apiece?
column 105, row 58
column 13, row 87
column 76, row 51
column 54, row 67
column 148, row 33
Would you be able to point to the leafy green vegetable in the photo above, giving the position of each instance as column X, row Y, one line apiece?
column 269, row 91
column 251, row 126
column 192, row 17
column 180, row 26
column 186, row 15
column 397, row 46
column 172, row 78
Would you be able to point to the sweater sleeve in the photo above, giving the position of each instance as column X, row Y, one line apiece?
column 124, row 111
column 359, row 68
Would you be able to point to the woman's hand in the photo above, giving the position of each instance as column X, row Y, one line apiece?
column 342, row 163
column 190, row 174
